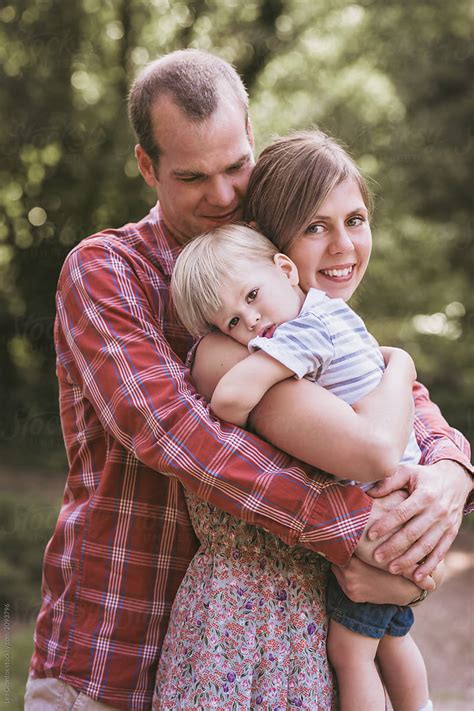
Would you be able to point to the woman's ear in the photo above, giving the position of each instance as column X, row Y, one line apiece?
column 289, row 268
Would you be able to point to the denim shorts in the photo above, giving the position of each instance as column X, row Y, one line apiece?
column 366, row 618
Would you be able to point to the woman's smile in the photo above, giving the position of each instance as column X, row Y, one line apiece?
column 333, row 251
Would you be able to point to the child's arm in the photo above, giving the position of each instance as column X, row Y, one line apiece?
column 380, row 422
column 244, row 385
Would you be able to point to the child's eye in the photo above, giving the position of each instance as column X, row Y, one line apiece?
column 252, row 295
column 233, row 322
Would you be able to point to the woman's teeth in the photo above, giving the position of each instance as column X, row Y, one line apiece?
column 338, row 272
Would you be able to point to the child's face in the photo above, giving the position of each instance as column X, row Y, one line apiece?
column 263, row 297
column 333, row 251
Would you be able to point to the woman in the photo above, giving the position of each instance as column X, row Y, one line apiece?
column 249, row 626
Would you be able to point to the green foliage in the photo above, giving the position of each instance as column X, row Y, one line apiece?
column 14, row 661
column 27, row 522
column 388, row 77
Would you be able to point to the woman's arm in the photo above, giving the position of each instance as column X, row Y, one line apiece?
column 310, row 423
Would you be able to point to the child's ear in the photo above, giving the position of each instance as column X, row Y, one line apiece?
column 288, row 268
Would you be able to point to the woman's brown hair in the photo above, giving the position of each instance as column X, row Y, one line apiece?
column 292, row 178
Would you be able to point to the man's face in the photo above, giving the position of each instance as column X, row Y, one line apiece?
column 204, row 168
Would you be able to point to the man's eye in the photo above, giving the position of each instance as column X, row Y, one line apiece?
column 233, row 322
column 190, row 178
column 235, row 168
column 252, row 295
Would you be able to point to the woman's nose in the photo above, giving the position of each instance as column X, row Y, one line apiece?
column 341, row 241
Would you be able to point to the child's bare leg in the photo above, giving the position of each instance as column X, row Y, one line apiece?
column 353, row 657
column 404, row 673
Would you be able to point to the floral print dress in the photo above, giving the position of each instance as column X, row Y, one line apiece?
column 248, row 626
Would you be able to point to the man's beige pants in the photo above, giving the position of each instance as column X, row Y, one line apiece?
column 55, row 695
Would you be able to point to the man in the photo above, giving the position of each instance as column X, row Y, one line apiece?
column 135, row 430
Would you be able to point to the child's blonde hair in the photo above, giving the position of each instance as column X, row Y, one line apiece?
column 206, row 265
column 292, row 178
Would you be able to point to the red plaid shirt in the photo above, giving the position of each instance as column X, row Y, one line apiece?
column 135, row 432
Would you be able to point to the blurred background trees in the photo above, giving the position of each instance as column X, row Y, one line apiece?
column 389, row 78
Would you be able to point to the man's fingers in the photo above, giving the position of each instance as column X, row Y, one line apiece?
column 390, row 483
column 426, row 583
column 415, row 538
column 391, row 521
column 437, row 555
column 429, row 548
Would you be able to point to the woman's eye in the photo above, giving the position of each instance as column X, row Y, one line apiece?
column 233, row 322
column 315, row 229
column 355, row 221
column 252, row 295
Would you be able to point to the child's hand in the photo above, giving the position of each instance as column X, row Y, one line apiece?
column 400, row 359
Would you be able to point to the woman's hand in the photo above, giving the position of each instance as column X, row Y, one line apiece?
column 424, row 525
column 364, row 583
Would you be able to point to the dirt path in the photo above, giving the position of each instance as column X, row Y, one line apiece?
column 444, row 630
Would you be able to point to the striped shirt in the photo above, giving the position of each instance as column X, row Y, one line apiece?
column 136, row 432
column 328, row 343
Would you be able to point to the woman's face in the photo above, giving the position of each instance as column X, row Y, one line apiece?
column 333, row 250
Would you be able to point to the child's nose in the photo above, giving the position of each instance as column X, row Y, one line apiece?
column 252, row 319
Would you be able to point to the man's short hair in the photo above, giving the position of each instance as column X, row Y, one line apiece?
column 195, row 80
column 205, row 266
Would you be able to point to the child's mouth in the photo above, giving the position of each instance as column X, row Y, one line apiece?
column 268, row 331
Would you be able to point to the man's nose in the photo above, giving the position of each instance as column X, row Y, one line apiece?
column 221, row 192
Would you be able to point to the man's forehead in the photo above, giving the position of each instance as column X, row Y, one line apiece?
column 223, row 135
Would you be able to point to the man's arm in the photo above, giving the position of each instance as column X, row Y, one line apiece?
column 140, row 391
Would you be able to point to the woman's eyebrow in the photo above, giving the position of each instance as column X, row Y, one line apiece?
column 329, row 217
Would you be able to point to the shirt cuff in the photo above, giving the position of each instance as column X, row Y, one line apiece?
column 345, row 511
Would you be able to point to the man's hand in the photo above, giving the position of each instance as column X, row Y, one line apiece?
column 424, row 525
column 366, row 549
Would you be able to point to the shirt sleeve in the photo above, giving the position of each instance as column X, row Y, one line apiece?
column 436, row 439
column 140, row 390
column 304, row 345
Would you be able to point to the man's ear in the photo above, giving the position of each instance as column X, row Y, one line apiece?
column 145, row 166
column 289, row 268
